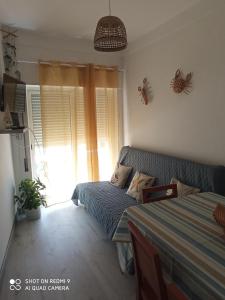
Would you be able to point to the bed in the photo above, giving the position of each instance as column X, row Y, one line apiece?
column 106, row 202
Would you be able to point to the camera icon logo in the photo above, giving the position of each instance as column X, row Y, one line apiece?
column 15, row 284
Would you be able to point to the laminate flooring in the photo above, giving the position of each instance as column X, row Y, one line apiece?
column 66, row 249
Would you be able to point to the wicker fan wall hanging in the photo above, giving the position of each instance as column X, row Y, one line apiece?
column 180, row 83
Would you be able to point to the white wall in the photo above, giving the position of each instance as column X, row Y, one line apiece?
column 32, row 47
column 190, row 126
column 6, row 185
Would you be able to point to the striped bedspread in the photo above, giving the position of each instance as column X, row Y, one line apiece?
column 190, row 243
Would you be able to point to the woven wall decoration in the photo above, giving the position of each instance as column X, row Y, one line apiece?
column 180, row 83
column 145, row 91
column 9, row 51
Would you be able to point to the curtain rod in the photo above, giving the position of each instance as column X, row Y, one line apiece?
column 69, row 64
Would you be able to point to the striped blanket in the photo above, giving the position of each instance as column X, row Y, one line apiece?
column 190, row 243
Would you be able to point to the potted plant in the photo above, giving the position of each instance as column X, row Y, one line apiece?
column 30, row 198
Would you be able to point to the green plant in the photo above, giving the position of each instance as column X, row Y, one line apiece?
column 29, row 194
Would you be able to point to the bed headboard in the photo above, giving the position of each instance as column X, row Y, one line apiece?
column 208, row 178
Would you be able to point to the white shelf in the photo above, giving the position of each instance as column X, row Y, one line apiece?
column 13, row 131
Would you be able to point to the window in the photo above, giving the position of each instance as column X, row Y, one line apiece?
column 62, row 162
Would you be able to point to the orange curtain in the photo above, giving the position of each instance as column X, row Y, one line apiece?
column 72, row 114
column 107, row 112
column 91, row 125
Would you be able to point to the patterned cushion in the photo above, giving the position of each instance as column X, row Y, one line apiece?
column 139, row 182
column 219, row 214
column 183, row 189
column 120, row 175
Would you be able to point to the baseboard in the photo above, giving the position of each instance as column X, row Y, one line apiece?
column 2, row 269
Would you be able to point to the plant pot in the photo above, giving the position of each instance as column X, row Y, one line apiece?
column 33, row 214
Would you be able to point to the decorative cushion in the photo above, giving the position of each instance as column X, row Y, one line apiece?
column 120, row 175
column 219, row 214
column 182, row 189
column 139, row 182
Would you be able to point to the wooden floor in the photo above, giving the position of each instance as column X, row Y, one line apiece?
column 66, row 243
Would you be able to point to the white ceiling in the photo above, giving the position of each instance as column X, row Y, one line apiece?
column 78, row 18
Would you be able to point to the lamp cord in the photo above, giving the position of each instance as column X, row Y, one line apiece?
column 109, row 7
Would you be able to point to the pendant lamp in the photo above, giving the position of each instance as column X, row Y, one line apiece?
column 110, row 34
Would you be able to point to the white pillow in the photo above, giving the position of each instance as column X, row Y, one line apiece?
column 139, row 182
column 182, row 189
column 120, row 175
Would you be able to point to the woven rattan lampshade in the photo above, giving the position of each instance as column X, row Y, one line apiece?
column 110, row 34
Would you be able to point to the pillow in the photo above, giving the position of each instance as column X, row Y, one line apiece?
column 219, row 214
column 182, row 189
column 139, row 182
column 120, row 175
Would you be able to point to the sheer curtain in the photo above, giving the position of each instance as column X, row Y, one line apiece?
column 79, row 112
